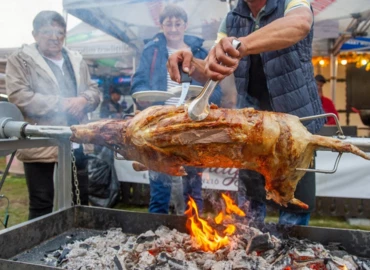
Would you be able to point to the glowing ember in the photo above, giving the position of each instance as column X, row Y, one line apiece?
column 207, row 237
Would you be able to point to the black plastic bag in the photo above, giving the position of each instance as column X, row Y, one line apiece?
column 104, row 190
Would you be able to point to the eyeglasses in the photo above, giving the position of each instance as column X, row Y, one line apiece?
column 50, row 33
column 176, row 25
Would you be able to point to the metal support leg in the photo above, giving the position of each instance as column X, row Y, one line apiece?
column 63, row 187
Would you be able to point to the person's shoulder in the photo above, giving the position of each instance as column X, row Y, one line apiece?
column 23, row 53
column 193, row 41
column 156, row 41
column 72, row 53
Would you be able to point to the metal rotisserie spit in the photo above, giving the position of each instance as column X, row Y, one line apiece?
column 32, row 245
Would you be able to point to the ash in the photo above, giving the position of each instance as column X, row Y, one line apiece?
column 169, row 249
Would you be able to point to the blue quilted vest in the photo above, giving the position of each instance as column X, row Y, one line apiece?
column 289, row 72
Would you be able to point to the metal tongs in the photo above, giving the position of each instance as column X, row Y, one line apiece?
column 199, row 107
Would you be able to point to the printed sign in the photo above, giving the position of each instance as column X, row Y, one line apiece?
column 213, row 178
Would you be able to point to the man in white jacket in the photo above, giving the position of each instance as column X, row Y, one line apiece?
column 51, row 85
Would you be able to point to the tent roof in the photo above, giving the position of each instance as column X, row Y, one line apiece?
column 132, row 21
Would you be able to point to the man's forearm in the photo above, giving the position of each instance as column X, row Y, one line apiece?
column 280, row 34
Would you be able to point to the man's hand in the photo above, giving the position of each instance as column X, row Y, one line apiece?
column 74, row 106
column 223, row 59
column 183, row 56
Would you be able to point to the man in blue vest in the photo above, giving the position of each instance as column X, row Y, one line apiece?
column 273, row 71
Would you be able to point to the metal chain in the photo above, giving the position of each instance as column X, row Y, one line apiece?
column 75, row 180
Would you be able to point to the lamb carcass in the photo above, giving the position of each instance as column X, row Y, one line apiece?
column 164, row 139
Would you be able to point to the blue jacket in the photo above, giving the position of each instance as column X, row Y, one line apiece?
column 152, row 71
column 289, row 72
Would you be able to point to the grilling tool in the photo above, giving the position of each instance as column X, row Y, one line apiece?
column 185, row 83
column 199, row 107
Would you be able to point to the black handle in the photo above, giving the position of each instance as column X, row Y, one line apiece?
column 185, row 77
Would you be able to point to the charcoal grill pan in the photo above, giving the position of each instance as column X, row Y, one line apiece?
column 27, row 242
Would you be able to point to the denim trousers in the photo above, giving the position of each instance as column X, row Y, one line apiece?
column 165, row 188
column 257, row 212
column 193, row 186
column 160, row 192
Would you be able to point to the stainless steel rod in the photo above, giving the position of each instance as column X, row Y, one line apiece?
column 48, row 131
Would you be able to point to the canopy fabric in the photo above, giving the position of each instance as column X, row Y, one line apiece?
column 93, row 43
column 133, row 21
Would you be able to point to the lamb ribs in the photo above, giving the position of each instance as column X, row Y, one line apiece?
column 164, row 139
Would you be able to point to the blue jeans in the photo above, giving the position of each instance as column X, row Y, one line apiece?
column 257, row 212
column 160, row 192
column 193, row 186
column 177, row 198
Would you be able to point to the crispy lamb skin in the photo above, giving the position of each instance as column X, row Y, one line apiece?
column 164, row 139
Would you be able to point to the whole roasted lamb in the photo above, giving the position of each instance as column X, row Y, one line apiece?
column 164, row 139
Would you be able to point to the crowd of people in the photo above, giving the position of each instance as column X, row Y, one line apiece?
column 271, row 71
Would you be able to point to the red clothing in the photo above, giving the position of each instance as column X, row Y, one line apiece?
column 329, row 107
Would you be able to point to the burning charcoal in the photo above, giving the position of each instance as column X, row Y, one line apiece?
column 163, row 257
column 282, row 261
column 339, row 253
column 222, row 253
column 162, row 231
column 222, row 265
column 311, row 264
column 343, row 264
column 146, row 259
column 208, row 264
column 260, row 243
column 270, row 255
column 62, row 257
column 76, row 252
column 179, row 238
column 116, row 247
column 250, row 262
column 359, row 263
column 201, row 257
column 117, row 263
column 149, row 236
column 130, row 244
column 302, row 255
column 85, row 246
column 174, row 263
column 139, row 248
column 233, row 254
column 180, row 255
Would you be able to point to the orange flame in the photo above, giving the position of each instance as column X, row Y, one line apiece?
column 205, row 236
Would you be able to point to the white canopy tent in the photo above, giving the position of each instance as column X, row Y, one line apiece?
column 337, row 21
column 133, row 21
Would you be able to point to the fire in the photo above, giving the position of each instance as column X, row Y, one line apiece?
column 204, row 234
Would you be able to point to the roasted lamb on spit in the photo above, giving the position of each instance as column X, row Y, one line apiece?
column 164, row 139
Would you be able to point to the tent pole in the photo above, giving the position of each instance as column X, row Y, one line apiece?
column 333, row 71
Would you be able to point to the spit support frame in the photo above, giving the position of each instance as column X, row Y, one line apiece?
column 63, row 185
column 362, row 143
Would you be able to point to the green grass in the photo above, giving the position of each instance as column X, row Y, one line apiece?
column 15, row 189
column 330, row 222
